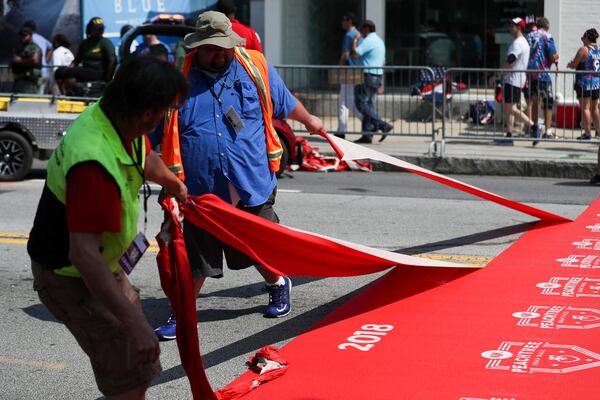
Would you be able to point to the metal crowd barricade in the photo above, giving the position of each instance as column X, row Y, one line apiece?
column 401, row 101
column 469, row 88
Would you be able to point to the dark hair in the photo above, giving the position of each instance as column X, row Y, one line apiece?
column 30, row 24
column 144, row 83
column 225, row 6
column 591, row 35
column 542, row 23
column 367, row 23
column 158, row 51
column 350, row 17
column 60, row 40
column 124, row 29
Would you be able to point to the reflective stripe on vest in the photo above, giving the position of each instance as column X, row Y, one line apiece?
column 256, row 65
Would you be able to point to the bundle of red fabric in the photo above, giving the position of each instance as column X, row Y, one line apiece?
column 176, row 281
column 314, row 161
column 267, row 365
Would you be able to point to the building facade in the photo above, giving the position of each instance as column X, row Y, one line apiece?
column 454, row 33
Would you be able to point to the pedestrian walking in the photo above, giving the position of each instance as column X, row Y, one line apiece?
column 542, row 55
column 229, row 146
column 26, row 64
column 370, row 52
column 587, row 85
column 346, row 104
column 517, row 59
column 84, row 233
column 250, row 38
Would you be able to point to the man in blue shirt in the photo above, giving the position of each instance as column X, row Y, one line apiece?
column 222, row 136
column 369, row 53
column 346, row 104
column 541, row 57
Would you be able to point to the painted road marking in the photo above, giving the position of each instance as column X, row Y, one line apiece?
column 288, row 191
column 20, row 238
column 31, row 363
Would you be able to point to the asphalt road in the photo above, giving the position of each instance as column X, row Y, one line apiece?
column 394, row 211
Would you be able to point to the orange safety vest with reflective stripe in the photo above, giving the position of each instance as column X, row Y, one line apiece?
column 256, row 65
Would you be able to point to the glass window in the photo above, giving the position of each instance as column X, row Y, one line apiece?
column 313, row 29
column 452, row 33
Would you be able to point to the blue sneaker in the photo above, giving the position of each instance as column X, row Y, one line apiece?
column 168, row 330
column 280, row 303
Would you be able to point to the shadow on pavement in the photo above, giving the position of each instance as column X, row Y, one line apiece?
column 36, row 174
column 253, row 289
column 580, row 183
column 39, row 311
column 469, row 239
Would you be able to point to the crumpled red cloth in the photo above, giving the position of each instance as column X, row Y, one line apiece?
column 314, row 161
column 266, row 365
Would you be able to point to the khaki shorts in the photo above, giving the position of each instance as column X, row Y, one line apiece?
column 97, row 330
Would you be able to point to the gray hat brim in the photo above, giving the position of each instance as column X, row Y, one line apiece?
column 197, row 39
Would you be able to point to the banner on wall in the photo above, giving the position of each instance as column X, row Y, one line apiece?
column 51, row 17
column 117, row 13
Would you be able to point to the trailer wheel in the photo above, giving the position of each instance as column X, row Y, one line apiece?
column 16, row 156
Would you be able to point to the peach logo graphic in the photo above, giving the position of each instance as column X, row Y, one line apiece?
column 558, row 317
column 540, row 357
column 571, row 287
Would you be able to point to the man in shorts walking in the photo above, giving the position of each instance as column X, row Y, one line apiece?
column 517, row 58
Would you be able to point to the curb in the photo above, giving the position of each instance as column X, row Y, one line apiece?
column 498, row 167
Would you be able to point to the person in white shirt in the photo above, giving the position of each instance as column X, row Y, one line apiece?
column 517, row 59
column 61, row 57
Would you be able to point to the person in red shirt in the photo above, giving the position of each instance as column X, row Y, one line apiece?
column 251, row 37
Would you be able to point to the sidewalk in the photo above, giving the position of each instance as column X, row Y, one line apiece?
column 547, row 159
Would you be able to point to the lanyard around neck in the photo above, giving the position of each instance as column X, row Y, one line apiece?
column 137, row 162
column 223, row 84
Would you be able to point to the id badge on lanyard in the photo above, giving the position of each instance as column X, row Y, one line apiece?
column 134, row 253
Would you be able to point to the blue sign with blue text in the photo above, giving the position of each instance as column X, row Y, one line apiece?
column 117, row 13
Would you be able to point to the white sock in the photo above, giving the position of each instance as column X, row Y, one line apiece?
column 279, row 282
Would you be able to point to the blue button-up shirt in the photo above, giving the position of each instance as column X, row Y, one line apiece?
column 371, row 53
column 213, row 153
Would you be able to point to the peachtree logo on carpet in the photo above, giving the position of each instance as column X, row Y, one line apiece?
column 532, row 357
column 571, row 287
column 587, row 244
column 580, row 261
column 558, row 317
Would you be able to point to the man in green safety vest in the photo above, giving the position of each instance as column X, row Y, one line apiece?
column 84, row 239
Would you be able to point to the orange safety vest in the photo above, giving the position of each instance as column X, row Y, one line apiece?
column 255, row 64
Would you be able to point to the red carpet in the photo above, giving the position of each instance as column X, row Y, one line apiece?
column 525, row 327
